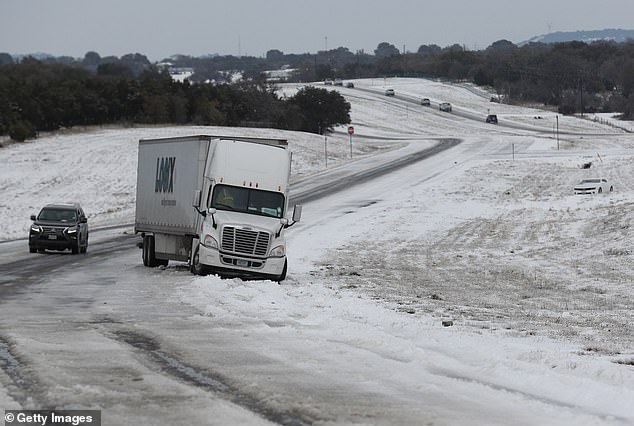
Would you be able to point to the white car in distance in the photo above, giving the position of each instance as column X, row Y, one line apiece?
column 593, row 186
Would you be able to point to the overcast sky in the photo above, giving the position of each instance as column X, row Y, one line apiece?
column 158, row 28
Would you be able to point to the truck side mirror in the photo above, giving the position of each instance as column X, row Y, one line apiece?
column 196, row 200
column 212, row 211
column 297, row 212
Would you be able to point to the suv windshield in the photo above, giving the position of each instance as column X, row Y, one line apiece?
column 57, row 215
column 248, row 200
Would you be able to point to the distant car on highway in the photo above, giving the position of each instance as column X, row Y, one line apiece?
column 59, row 227
column 328, row 82
column 445, row 106
column 425, row 102
column 350, row 85
column 338, row 82
column 492, row 118
column 389, row 92
column 593, row 186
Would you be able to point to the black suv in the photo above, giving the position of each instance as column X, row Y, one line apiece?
column 59, row 227
column 492, row 118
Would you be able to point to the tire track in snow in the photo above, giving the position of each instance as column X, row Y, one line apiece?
column 207, row 380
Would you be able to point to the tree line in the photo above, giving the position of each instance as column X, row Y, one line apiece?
column 49, row 93
column 37, row 96
column 571, row 77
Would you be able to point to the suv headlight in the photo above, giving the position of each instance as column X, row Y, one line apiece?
column 36, row 228
column 210, row 242
column 71, row 230
column 278, row 251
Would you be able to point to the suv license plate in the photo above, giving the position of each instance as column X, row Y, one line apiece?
column 242, row 263
column 52, row 237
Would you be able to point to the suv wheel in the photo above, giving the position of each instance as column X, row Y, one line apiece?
column 84, row 248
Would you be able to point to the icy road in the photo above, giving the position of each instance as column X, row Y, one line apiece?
column 465, row 288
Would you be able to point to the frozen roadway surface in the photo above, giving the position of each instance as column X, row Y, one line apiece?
column 437, row 283
column 125, row 348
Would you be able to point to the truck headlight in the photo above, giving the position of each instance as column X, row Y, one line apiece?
column 278, row 251
column 210, row 242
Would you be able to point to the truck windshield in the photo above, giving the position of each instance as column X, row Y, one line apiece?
column 248, row 200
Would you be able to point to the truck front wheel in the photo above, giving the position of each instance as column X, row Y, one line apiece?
column 196, row 267
column 282, row 277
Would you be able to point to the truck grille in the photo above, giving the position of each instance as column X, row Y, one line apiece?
column 245, row 241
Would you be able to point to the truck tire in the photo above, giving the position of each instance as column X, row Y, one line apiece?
column 144, row 251
column 149, row 256
column 148, row 251
column 282, row 277
column 196, row 267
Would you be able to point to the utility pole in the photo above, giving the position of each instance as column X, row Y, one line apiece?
column 326, row 148
column 581, row 92
column 557, row 117
column 351, row 146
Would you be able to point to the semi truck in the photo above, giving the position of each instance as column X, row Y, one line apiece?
column 217, row 202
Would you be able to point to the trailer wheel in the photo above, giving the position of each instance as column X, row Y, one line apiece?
column 144, row 250
column 149, row 257
column 148, row 251
column 196, row 267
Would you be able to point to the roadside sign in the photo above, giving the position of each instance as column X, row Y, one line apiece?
column 350, row 132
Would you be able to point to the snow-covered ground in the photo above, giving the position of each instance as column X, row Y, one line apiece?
column 471, row 288
column 97, row 168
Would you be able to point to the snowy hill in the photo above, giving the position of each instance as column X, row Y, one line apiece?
column 617, row 35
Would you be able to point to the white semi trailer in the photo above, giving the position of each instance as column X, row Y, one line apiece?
column 219, row 203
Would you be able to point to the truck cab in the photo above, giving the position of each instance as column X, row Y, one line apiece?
column 246, row 202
